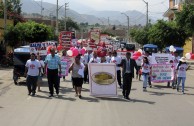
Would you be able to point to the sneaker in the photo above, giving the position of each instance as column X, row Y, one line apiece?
column 177, row 89
column 127, row 98
column 183, row 92
column 33, row 94
column 150, row 86
column 51, row 95
column 80, row 96
column 144, row 89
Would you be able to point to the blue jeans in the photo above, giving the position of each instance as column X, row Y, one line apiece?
column 183, row 82
column 145, row 79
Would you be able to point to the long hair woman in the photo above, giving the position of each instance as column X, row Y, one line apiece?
column 145, row 72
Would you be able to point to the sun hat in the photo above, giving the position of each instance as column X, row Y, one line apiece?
column 183, row 59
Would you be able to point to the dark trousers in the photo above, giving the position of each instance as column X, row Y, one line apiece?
column 53, row 80
column 86, row 78
column 119, row 77
column 127, row 82
column 31, row 83
column 149, row 80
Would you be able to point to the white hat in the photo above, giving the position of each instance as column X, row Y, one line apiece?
column 183, row 59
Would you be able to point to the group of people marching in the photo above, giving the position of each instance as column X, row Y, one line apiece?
column 51, row 66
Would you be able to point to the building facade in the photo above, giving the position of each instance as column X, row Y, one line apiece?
column 176, row 5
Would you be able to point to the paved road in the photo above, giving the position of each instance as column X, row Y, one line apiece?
column 160, row 106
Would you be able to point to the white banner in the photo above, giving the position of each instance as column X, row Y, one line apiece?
column 160, row 58
column 103, row 80
column 40, row 47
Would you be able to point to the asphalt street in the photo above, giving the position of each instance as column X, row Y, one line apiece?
column 159, row 106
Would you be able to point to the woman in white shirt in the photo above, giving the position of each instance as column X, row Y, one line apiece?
column 77, row 69
column 145, row 72
column 181, row 68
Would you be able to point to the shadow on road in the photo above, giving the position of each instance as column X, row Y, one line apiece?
column 159, row 93
column 65, row 98
column 119, row 99
column 142, row 101
column 90, row 99
column 189, row 87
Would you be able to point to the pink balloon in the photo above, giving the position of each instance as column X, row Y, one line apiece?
column 72, row 48
column 83, row 51
column 75, row 52
column 135, row 57
column 138, row 53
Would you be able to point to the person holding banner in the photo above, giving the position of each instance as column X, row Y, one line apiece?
column 181, row 68
column 64, row 54
column 52, row 64
column 95, row 58
column 145, row 72
column 128, row 65
column 148, row 55
column 77, row 69
column 108, row 58
column 117, row 60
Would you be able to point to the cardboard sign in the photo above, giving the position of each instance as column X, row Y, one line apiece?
column 159, row 58
column 161, row 73
column 103, row 80
column 65, row 64
column 95, row 35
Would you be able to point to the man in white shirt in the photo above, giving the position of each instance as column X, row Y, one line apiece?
column 32, row 71
column 95, row 58
column 108, row 58
column 117, row 60
column 85, row 61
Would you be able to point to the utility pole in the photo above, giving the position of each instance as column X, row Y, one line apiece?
column 147, row 18
column 127, row 26
column 66, row 8
column 57, row 14
column 5, row 15
column 41, row 12
column 108, row 22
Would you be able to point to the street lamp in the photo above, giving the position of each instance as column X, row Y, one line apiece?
column 127, row 26
column 146, row 12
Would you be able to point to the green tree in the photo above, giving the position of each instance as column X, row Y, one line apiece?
column 140, row 35
column 70, row 25
column 28, row 32
column 185, row 19
column 165, row 33
column 13, row 10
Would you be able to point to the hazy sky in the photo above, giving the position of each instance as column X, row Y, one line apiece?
column 156, row 7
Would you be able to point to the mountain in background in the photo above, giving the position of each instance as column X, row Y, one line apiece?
column 81, row 13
